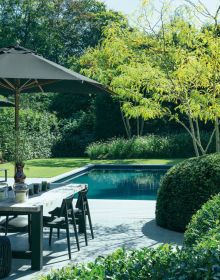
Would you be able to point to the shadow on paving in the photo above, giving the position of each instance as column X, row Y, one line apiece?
column 161, row 235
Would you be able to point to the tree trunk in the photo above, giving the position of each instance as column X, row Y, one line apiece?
column 142, row 127
column 126, row 124
column 217, row 136
column 193, row 137
column 199, row 142
column 138, row 126
column 128, row 127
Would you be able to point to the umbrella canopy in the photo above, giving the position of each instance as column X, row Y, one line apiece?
column 5, row 103
column 22, row 70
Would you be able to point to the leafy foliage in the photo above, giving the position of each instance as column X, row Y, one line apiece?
column 206, row 222
column 108, row 122
column 119, row 63
column 75, row 135
column 162, row 263
column 38, row 134
column 185, row 188
column 150, row 146
column 172, row 71
column 56, row 29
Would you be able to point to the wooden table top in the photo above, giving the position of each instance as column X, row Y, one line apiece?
column 49, row 199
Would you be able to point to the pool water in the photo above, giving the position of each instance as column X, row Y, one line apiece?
column 122, row 184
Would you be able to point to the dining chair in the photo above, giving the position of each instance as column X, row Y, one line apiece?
column 83, row 205
column 60, row 219
column 78, row 214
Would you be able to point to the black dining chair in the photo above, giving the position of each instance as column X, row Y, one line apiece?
column 83, row 205
column 78, row 214
column 60, row 219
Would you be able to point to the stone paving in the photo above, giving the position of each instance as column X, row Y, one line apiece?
column 117, row 223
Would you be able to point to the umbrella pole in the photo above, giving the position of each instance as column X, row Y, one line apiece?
column 17, row 136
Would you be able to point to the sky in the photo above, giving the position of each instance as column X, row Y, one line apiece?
column 130, row 7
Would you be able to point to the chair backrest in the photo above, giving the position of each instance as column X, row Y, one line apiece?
column 67, row 204
column 82, row 200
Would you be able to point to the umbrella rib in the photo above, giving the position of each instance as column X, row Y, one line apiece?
column 36, row 82
column 39, row 85
column 10, row 84
column 26, row 83
column 5, row 86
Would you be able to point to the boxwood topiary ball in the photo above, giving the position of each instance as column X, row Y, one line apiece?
column 204, row 224
column 185, row 188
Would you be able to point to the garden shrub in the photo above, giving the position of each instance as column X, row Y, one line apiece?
column 163, row 262
column 206, row 222
column 150, row 146
column 37, row 134
column 74, row 135
column 185, row 188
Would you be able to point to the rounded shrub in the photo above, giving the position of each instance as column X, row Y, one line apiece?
column 185, row 188
column 205, row 224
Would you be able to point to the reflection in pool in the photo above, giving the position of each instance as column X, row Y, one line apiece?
column 122, row 184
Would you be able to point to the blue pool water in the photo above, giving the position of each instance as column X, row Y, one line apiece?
column 121, row 184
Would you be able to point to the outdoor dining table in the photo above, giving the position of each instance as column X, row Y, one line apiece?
column 37, row 206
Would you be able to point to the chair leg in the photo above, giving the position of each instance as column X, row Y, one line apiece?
column 29, row 231
column 6, row 225
column 50, row 236
column 75, row 231
column 58, row 233
column 90, row 221
column 84, row 224
column 68, row 238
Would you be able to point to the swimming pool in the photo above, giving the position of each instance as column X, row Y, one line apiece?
column 121, row 183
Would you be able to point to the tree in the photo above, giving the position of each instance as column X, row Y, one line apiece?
column 119, row 63
column 194, row 76
column 189, row 57
column 56, row 29
column 171, row 70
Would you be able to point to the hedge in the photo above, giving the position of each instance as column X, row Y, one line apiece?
column 150, row 146
column 185, row 188
column 206, row 221
column 165, row 262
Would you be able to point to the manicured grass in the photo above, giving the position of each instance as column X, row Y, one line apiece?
column 46, row 168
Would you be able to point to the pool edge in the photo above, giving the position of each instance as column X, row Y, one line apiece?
column 86, row 168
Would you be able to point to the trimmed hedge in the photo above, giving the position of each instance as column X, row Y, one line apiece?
column 206, row 222
column 185, row 188
column 164, row 262
column 150, row 146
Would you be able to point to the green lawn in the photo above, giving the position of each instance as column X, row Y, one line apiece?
column 47, row 168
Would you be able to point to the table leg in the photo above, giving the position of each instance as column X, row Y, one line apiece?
column 37, row 240
column 6, row 175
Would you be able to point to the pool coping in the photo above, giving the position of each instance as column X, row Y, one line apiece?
column 86, row 168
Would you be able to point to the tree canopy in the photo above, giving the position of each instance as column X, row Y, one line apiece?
column 56, row 29
column 172, row 70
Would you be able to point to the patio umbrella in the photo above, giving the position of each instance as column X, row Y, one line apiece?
column 5, row 103
column 22, row 70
